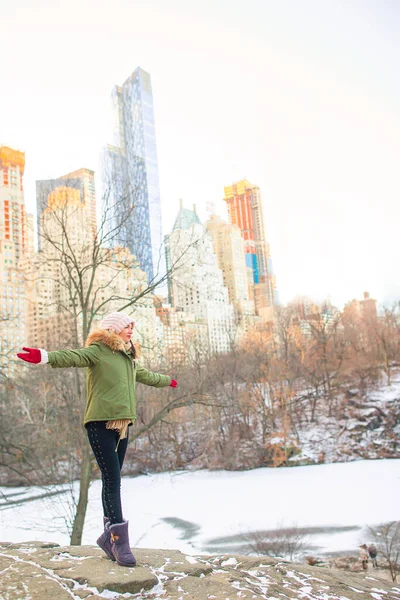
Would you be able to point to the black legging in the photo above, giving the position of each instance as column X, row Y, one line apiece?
column 103, row 442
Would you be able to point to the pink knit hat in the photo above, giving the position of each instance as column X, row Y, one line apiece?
column 116, row 321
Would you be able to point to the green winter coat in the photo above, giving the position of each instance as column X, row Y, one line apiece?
column 111, row 376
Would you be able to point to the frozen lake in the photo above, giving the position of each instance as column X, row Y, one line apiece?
column 210, row 511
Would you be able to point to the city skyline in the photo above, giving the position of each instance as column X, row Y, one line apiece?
column 215, row 294
column 314, row 118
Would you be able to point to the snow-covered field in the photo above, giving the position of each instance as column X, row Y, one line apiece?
column 219, row 503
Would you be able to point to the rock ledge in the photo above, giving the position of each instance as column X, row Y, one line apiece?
column 43, row 571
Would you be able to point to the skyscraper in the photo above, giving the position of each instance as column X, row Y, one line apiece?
column 65, row 228
column 229, row 250
column 239, row 201
column 81, row 180
column 16, row 240
column 85, row 177
column 138, row 191
column 66, row 218
column 197, row 285
column 245, row 210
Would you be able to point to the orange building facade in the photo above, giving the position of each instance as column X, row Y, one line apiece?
column 16, row 240
column 239, row 202
column 244, row 205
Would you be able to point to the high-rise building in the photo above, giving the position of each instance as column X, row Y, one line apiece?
column 136, row 191
column 173, row 333
column 245, row 210
column 229, row 249
column 115, row 227
column 65, row 218
column 363, row 309
column 239, row 201
column 88, row 192
column 16, row 241
column 197, row 285
column 66, row 235
column 81, row 180
column 182, row 336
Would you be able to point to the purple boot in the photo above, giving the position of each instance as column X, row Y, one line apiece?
column 104, row 540
column 120, row 544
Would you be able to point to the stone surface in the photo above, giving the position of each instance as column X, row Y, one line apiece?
column 40, row 571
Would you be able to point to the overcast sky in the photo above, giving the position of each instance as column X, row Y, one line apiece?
column 301, row 97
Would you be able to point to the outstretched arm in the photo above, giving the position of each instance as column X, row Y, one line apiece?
column 84, row 357
column 153, row 379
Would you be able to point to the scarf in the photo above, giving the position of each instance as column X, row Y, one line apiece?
column 120, row 425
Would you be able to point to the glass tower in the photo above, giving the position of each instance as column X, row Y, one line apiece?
column 136, row 142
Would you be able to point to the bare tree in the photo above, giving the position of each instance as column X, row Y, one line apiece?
column 79, row 274
column 283, row 542
column 326, row 352
column 386, row 333
column 360, row 357
column 387, row 540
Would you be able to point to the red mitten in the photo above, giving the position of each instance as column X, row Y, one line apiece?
column 32, row 355
column 173, row 383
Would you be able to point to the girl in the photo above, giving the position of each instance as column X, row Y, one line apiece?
column 112, row 373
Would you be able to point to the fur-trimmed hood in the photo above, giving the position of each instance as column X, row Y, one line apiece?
column 112, row 340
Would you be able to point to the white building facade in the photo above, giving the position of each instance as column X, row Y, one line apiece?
column 196, row 284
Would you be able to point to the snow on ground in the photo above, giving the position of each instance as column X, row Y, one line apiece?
column 222, row 503
column 354, row 435
column 384, row 392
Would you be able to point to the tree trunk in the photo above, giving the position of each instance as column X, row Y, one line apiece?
column 84, row 483
column 314, row 405
column 387, row 368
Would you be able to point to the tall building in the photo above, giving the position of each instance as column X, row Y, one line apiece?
column 65, row 230
column 115, row 227
column 88, row 192
column 197, row 285
column 363, row 309
column 182, row 336
column 82, row 181
column 245, row 210
column 136, row 187
column 16, row 241
column 66, row 217
column 229, row 249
